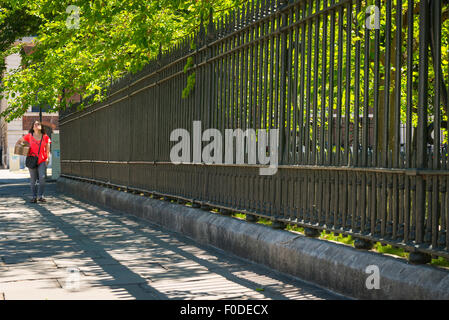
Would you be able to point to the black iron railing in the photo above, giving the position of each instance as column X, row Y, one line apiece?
column 360, row 101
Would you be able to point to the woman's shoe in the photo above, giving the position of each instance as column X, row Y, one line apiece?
column 34, row 200
column 42, row 200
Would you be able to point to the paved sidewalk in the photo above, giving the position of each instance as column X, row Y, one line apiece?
column 67, row 249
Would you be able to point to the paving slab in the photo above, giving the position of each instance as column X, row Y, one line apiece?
column 53, row 290
column 69, row 249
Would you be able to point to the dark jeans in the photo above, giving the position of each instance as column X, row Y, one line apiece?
column 38, row 174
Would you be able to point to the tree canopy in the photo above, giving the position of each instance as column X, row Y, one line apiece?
column 15, row 22
column 81, row 45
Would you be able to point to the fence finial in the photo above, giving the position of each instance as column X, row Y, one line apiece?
column 235, row 21
column 246, row 14
column 211, row 26
column 202, row 32
column 258, row 10
column 159, row 55
column 253, row 11
column 240, row 15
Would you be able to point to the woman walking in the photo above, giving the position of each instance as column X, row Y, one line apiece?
column 39, row 146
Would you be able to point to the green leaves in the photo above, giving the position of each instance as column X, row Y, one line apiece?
column 190, row 85
column 188, row 65
column 114, row 37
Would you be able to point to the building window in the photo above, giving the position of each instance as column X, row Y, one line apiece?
column 36, row 108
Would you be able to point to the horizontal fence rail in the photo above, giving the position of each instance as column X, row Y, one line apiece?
column 358, row 92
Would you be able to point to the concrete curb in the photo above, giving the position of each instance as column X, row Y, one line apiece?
column 334, row 266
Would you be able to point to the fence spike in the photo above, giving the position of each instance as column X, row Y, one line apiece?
column 237, row 21
column 274, row 6
column 232, row 21
column 211, row 26
column 187, row 44
column 258, row 10
column 218, row 27
column 211, row 15
column 253, row 11
column 201, row 34
column 224, row 24
column 159, row 55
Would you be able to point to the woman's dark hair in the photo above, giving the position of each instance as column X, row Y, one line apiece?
column 42, row 128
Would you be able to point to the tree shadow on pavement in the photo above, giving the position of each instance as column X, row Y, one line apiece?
column 127, row 255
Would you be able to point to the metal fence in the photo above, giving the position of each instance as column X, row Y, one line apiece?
column 359, row 98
